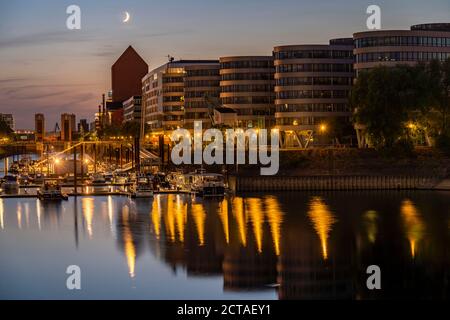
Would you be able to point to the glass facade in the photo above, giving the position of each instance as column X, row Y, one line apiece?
column 325, row 81
column 315, row 67
column 397, row 41
column 402, row 56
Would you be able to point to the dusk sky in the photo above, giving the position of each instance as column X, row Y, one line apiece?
column 44, row 67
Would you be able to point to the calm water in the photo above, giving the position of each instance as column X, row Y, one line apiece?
column 280, row 246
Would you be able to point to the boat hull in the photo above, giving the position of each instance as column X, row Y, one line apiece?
column 218, row 191
column 142, row 194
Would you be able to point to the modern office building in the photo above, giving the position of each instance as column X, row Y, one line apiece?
column 422, row 43
column 312, row 84
column 201, row 92
column 246, row 85
column 67, row 127
column 132, row 109
column 126, row 75
column 163, row 95
column 39, row 127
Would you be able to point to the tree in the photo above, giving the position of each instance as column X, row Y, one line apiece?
column 436, row 116
column 384, row 98
column 5, row 129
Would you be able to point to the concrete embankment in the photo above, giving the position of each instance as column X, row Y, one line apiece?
column 338, row 183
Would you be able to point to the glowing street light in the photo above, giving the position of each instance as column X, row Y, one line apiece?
column 323, row 128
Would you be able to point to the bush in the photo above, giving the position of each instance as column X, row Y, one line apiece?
column 443, row 143
column 401, row 148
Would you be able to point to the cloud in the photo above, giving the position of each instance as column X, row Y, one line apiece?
column 47, row 38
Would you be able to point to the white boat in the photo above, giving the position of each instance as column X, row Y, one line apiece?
column 204, row 184
column 142, row 188
column 51, row 191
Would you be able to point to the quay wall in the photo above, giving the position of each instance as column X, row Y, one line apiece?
column 335, row 183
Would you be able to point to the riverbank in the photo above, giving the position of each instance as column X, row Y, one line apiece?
column 348, row 169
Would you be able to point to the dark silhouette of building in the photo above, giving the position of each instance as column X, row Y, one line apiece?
column 67, row 126
column 39, row 124
column 126, row 76
column 83, row 126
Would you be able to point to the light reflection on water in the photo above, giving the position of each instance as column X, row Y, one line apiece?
column 286, row 246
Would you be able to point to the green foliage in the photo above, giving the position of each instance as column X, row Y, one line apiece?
column 443, row 143
column 396, row 104
column 128, row 129
column 5, row 130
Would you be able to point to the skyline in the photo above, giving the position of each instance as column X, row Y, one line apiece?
column 53, row 70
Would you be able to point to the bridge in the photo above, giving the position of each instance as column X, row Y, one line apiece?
column 121, row 152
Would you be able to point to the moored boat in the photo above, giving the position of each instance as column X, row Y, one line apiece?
column 10, row 183
column 51, row 191
column 98, row 183
column 142, row 188
column 207, row 184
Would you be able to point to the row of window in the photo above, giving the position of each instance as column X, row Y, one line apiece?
column 248, row 88
column 195, row 104
column 170, row 117
column 247, row 64
column 198, row 94
column 298, row 121
column 173, row 99
column 402, row 41
column 173, row 108
column 173, row 89
column 314, row 54
column 202, row 73
column 256, row 112
column 314, row 107
column 402, row 56
column 247, row 76
column 313, row 94
column 315, row 67
column 196, row 115
column 201, row 83
column 247, row 100
column 299, row 81
column 169, row 79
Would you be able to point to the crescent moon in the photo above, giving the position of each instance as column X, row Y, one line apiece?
column 127, row 17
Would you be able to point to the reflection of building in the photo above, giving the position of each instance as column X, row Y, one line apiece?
column 424, row 42
column 132, row 221
column 67, row 126
column 8, row 119
column 132, row 109
column 309, row 266
column 312, row 87
column 247, row 86
column 39, row 125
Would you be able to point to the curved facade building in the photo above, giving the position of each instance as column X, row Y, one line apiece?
column 247, row 87
column 312, row 84
column 200, row 81
column 424, row 42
